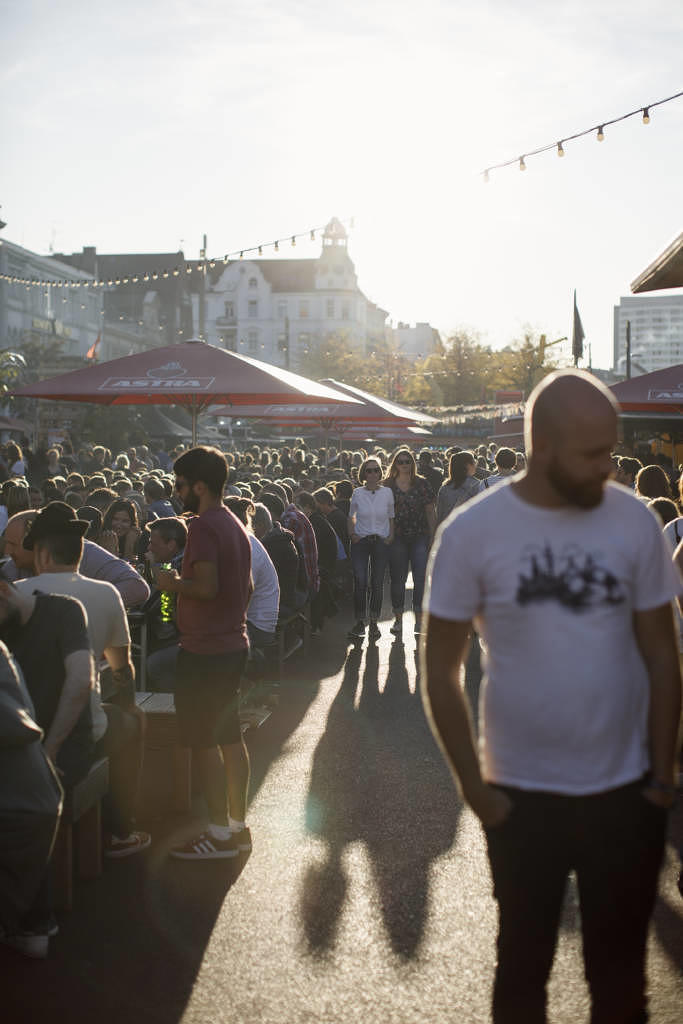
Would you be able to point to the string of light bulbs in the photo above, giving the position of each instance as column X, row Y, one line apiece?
column 144, row 276
column 599, row 129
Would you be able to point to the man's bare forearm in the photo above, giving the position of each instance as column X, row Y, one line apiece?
column 74, row 697
column 445, row 703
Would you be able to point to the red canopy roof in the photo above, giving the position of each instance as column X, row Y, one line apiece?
column 657, row 392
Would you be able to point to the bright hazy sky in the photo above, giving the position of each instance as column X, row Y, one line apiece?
column 139, row 126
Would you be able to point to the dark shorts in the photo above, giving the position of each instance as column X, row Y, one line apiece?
column 207, row 692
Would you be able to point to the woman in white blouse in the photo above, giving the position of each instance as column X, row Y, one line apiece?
column 371, row 531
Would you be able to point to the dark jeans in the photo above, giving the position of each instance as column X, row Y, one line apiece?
column 369, row 558
column 407, row 553
column 614, row 841
column 123, row 744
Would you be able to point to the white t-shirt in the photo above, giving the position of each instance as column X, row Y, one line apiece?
column 565, row 696
column 265, row 601
column 673, row 533
column 372, row 511
column 107, row 622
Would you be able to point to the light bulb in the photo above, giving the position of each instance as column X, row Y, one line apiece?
column 293, row 240
column 486, row 177
column 176, row 272
column 646, row 115
column 522, row 165
column 313, row 236
column 560, row 149
column 260, row 250
column 601, row 133
column 277, row 247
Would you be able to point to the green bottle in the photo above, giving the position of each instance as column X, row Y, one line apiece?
column 167, row 603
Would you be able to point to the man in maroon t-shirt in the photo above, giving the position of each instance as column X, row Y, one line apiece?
column 213, row 590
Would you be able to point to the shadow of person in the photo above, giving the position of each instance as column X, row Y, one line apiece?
column 377, row 778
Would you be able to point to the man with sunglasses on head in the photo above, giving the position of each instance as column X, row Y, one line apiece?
column 213, row 591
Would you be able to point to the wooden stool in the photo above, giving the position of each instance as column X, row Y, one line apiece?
column 167, row 772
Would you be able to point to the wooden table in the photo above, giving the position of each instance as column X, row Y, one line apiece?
column 167, row 772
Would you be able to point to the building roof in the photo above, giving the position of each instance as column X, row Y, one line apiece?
column 122, row 264
column 283, row 275
column 664, row 272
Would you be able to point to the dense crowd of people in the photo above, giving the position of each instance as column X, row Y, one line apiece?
column 218, row 550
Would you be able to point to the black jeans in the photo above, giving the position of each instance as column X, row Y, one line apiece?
column 614, row 841
column 369, row 558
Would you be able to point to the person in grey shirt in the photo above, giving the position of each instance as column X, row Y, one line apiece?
column 462, row 484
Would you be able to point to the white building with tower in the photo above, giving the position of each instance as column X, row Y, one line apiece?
column 279, row 310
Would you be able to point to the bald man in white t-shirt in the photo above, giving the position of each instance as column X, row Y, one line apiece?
column 580, row 699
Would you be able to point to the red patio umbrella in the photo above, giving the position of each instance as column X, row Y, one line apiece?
column 359, row 412
column 361, row 415
column 192, row 374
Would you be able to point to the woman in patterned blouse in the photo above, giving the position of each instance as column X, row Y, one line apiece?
column 414, row 524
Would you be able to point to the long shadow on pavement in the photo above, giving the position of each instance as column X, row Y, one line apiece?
column 377, row 777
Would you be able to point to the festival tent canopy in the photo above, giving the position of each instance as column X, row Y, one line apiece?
column 192, row 374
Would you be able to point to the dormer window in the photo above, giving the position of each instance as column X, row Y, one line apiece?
column 253, row 283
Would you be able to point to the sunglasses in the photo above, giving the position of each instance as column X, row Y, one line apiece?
column 373, row 469
column 404, row 462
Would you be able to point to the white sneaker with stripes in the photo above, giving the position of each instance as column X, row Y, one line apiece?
column 206, row 847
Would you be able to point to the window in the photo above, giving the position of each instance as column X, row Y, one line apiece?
column 229, row 309
column 303, row 308
column 304, row 340
column 253, row 283
column 346, row 310
column 252, row 338
column 281, row 309
column 330, row 309
column 253, row 309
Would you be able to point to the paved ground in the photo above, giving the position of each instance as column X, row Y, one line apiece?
column 366, row 898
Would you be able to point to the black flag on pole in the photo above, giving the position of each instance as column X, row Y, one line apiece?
column 577, row 335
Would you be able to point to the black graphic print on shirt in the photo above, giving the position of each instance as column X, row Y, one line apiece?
column 575, row 579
